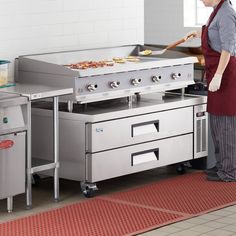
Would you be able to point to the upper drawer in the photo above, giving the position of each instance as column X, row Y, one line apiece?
column 132, row 130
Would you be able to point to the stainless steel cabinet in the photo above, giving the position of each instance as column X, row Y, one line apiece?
column 12, row 164
column 13, row 129
column 98, row 143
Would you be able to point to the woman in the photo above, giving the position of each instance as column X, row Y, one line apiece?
column 219, row 50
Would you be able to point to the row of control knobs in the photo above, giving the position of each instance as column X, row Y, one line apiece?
column 135, row 82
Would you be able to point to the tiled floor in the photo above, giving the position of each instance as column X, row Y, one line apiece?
column 217, row 223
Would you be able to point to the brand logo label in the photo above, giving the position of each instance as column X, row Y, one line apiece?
column 99, row 130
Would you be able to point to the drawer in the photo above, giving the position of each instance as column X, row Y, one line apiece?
column 127, row 160
column 143, row 128
column 12, row 164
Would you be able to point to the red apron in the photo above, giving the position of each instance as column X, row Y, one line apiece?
column 223, row 101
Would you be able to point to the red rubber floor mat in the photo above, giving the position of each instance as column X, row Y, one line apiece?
column 189, row 194
column 96, row 217
column 129, row 212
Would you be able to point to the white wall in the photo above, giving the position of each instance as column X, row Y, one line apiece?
column 164, row 22
column 30, row 26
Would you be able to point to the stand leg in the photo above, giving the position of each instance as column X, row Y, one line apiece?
column 28, row 160
column 9, row 204
column 56, row 147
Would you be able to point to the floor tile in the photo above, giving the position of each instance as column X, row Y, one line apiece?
column 201, row 228
column 219, row 232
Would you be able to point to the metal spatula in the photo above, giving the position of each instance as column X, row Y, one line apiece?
column 160, row 52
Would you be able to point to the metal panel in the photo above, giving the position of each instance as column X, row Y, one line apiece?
column 12, row 165
column 200, row 131
column 118, row 162
column 146, row 83
column 143, row 128
column 11, row 118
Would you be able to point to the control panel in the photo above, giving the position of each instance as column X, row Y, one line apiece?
column 128, row 83
column 11, row 118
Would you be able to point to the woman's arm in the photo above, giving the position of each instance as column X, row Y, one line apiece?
column 224, row 60
column 216, row 81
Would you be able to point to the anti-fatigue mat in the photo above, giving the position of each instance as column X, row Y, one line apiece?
column 129, row 212
column 96, row 217
column 189, row 194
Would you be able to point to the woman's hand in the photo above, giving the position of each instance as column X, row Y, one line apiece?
column 192, row 34
column 215, row 83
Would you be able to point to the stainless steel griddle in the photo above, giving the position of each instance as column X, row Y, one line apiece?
column 148, row 75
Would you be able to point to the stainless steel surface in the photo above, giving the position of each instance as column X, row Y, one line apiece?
column 12, row 166
column 201, row 131
column 96, row 84
column 102, row 140
column 138, row 129
column 136, row 158
column 12, row 113
column 34, row 92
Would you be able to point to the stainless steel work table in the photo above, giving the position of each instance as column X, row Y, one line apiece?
column 35, row 92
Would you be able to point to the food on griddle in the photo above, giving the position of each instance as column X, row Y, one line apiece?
column 98, row 64
column 119, row 60
column 90, row 64
column 132, row 59
column 146, row 52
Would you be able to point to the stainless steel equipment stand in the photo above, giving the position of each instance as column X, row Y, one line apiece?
column 54, row 165
column 35, row 92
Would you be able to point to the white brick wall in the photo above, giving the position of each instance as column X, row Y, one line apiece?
column 30, row 26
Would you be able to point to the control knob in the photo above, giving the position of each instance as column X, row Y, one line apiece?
column 136, row 81
column 114, row 84
column 156, row 78
column 92, row 87
column 175, row 75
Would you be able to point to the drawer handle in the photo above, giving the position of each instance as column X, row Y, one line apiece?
column 145, row 157
column 145, row 128
column 200, row 114
column 6, row 144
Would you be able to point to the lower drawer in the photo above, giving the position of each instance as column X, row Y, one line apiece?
column 136, row 158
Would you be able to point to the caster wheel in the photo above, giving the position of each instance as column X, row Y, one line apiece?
column 88, row 189
column 36, row 179
column 89, row 193
column 180, row 169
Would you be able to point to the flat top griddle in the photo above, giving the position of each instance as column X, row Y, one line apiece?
column 58, row 59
